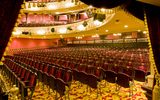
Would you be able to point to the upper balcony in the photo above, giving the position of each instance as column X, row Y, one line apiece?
column 50, row 5
column 40, row 20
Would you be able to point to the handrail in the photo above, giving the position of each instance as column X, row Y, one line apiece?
column 126, row 40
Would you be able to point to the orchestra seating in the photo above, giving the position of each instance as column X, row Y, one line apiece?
column 59, row 69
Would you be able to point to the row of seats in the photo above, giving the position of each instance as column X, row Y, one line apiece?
column 55, row 77
column 56, row 67
column 21, row 76
column 88, row 75
column 113, row 57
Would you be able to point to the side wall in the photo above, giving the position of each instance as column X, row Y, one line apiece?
column 31, row 43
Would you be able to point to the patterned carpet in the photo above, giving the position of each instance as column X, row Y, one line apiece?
column 79, row 91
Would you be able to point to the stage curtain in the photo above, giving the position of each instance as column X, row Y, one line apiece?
column 136, row 9
column 8, row 15
column 153, row 21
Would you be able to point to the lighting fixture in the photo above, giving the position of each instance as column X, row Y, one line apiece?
column 40, row 32
column 79, row 37
column 81, row 27
column 125, row 26
column 102, row 9
column 94, row 36
column 51, row 6
column 119, row 34
column 144, row 32
column 69, row 4
column 107, row 30
column 90, row 6
column 16, row 33
column 138, row 30
column 97, row 22
column 62, row 30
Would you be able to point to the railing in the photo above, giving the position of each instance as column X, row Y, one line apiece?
column 50, row 5
column 126, row 40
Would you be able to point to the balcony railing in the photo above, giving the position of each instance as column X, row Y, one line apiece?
column 37, row 6
column 126, row 40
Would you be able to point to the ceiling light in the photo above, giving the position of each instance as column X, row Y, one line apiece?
column 125, row 26
column 107, row 30
column 144, row 32
column 40, row 32
column 56, row 12
column 69, row 4
column 81, row 27
column 114, row 34
column 119, row 34
column 138, row 30
column 96, row 35
column 62, row 30
column 90, row 6
column 102, row 9
column 51, row 6
column 34, row 8
column 97, row 22
column 79, row 37
column 16, row 33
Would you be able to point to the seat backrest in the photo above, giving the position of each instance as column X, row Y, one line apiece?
column 26, row 75
column 51, row 70
column 23, row 73
column 59, row 73
column 20, row 70
column 68, row 76
column 123, row 80
column 32, row 81
column 37, row 64
column 91, row 69
column 140, row 75
column 110, row 76
column 41, row 66
column 82, row 67
column 45, row 69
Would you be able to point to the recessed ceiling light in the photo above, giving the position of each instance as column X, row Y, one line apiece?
column 144, row 32
column 56, row 12
column 138, row 30
column 90, row 6
column 119, row 34
column 125, row 26
column 107, row 30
